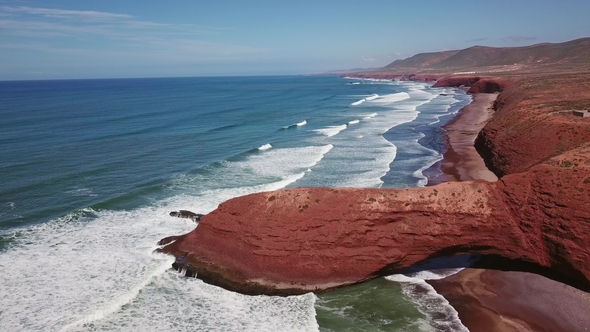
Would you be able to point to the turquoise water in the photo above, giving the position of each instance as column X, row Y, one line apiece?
column 91, row 168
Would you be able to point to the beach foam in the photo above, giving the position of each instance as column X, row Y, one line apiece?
column 363, row 163
column 443, row 317
column 97, row 270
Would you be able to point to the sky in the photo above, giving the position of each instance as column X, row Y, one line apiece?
column 55, row 39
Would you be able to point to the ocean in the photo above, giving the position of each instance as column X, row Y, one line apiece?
column 90, row 169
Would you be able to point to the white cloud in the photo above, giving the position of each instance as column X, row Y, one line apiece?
column 517, row 39
column 63, row 13
column 61, row 31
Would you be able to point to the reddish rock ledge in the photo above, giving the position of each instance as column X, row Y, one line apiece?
column 312, row 239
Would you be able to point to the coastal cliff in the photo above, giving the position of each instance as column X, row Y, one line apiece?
column 534, row 121
column 312, row 239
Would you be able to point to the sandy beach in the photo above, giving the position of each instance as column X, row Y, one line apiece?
column 492, row 300
column 461, row 161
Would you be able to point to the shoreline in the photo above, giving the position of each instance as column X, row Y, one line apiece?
column 461, row 162
column 493, row 300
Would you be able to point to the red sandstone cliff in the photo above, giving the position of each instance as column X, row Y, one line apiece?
column 297, row 240
column 534, row 122
column 475, row 84
column 308, row 239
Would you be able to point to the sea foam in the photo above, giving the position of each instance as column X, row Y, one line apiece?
column 371, row 97
column 442, row 315
column 295, row 125
column 331, row 130
column 265, row 147
column 98, row 269
column 391, row 98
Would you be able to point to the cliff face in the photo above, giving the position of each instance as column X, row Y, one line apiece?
column 476, row 84
column 311, row 239
column 549, row 204
column 533, row 122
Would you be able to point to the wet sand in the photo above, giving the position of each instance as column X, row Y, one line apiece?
column 491, row 300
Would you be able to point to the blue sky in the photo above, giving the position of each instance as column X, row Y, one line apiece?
column 94, row 39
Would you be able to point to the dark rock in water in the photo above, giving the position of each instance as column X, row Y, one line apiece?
column 186, row 214
column 184, row 267
column 167, row 240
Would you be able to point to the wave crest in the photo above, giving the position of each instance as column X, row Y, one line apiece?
column 331, row 130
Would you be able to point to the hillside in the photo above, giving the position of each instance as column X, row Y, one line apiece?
column 575, row 52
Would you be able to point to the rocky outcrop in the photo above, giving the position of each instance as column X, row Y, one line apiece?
column 311, row 239
column 187, row 215
column 489, row 85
